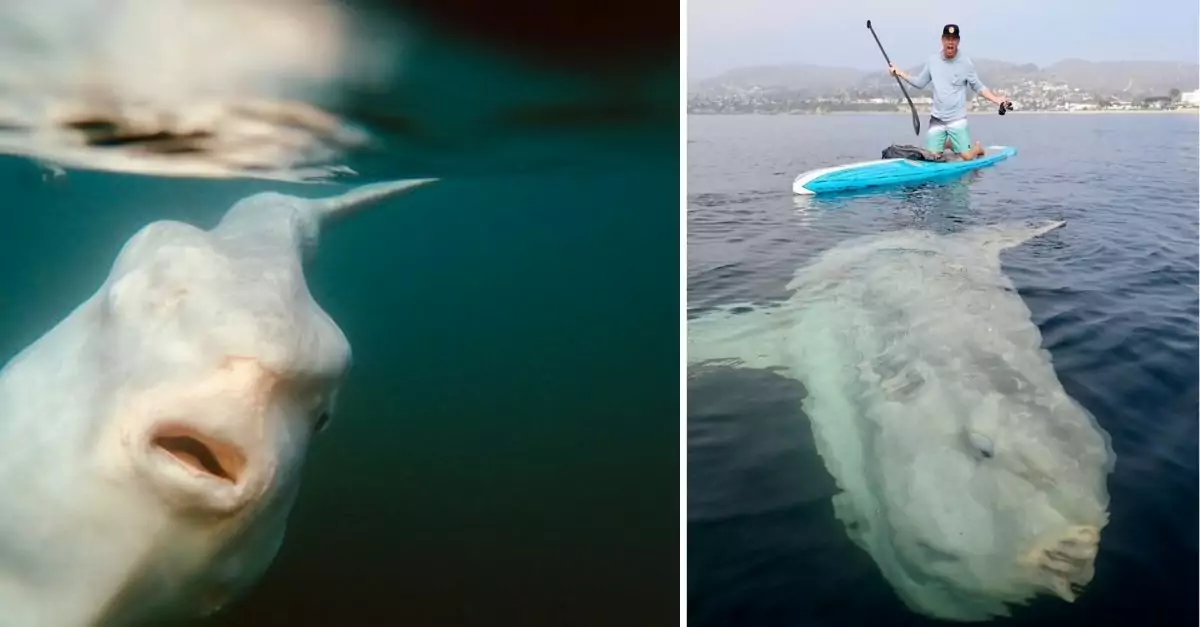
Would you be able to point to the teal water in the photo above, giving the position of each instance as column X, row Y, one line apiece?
column 506, row 447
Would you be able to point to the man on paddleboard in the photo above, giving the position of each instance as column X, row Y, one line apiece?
column 950, row 73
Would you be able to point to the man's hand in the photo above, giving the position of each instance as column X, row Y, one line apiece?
column 895, row 71
column 993, row 97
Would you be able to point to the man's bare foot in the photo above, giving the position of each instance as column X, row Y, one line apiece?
column 974, row 152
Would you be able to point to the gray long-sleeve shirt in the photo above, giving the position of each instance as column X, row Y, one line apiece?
column 950, row 79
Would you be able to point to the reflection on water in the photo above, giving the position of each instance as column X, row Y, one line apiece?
column 214, row 89
column 937, row 205
column 304, row 90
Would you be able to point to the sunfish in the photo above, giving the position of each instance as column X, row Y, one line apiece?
column 151, row 442
column 964, row 469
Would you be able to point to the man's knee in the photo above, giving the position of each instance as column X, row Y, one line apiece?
column 962, row 142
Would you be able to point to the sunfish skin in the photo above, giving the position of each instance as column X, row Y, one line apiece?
column 151, row 442
column 965, row 470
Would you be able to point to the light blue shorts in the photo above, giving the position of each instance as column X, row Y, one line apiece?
column 957, row 131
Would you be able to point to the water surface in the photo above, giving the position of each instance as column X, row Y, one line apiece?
column 1114, row 294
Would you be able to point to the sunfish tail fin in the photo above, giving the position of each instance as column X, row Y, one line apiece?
column 998, row 237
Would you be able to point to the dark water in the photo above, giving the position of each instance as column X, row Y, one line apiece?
column 506, row 449
column 1115, row 299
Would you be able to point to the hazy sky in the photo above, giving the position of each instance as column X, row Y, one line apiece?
column 723, row 34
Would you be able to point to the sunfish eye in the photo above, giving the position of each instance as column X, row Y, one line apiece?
column 322, row 421
column 982, row 443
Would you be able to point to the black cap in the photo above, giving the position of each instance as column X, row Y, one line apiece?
column 950, row 30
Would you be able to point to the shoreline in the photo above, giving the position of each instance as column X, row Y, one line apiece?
column 979, row 113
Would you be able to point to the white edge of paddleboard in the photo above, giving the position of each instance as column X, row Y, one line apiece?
column 798, row 185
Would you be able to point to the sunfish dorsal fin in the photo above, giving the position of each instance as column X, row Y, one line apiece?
column 334, row 208
column 296, row 223
column 995, row 238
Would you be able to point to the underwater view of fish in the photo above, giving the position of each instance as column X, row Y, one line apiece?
column 151, row 443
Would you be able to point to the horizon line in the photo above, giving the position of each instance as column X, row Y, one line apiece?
column 985, row 58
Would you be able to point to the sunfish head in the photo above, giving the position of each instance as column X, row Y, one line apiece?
column 994, row 487
column 163, row 425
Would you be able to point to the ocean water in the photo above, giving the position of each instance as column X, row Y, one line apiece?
column 1115, row 297
column 506, row 449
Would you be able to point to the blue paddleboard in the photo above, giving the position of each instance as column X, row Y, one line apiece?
column 887, row 172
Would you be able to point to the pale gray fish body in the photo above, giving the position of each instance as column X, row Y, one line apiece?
column 966, row 471
column 151, row 443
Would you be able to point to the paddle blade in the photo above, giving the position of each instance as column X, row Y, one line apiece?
column 916, row 124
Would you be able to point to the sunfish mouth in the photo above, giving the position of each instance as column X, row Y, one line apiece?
column 201, row 455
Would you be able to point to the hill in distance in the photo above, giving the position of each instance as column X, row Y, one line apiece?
column 1114, row 77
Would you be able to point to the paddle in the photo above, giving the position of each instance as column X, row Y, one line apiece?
column 916, row 118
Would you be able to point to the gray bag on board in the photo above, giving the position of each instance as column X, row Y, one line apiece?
column 904, row 151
